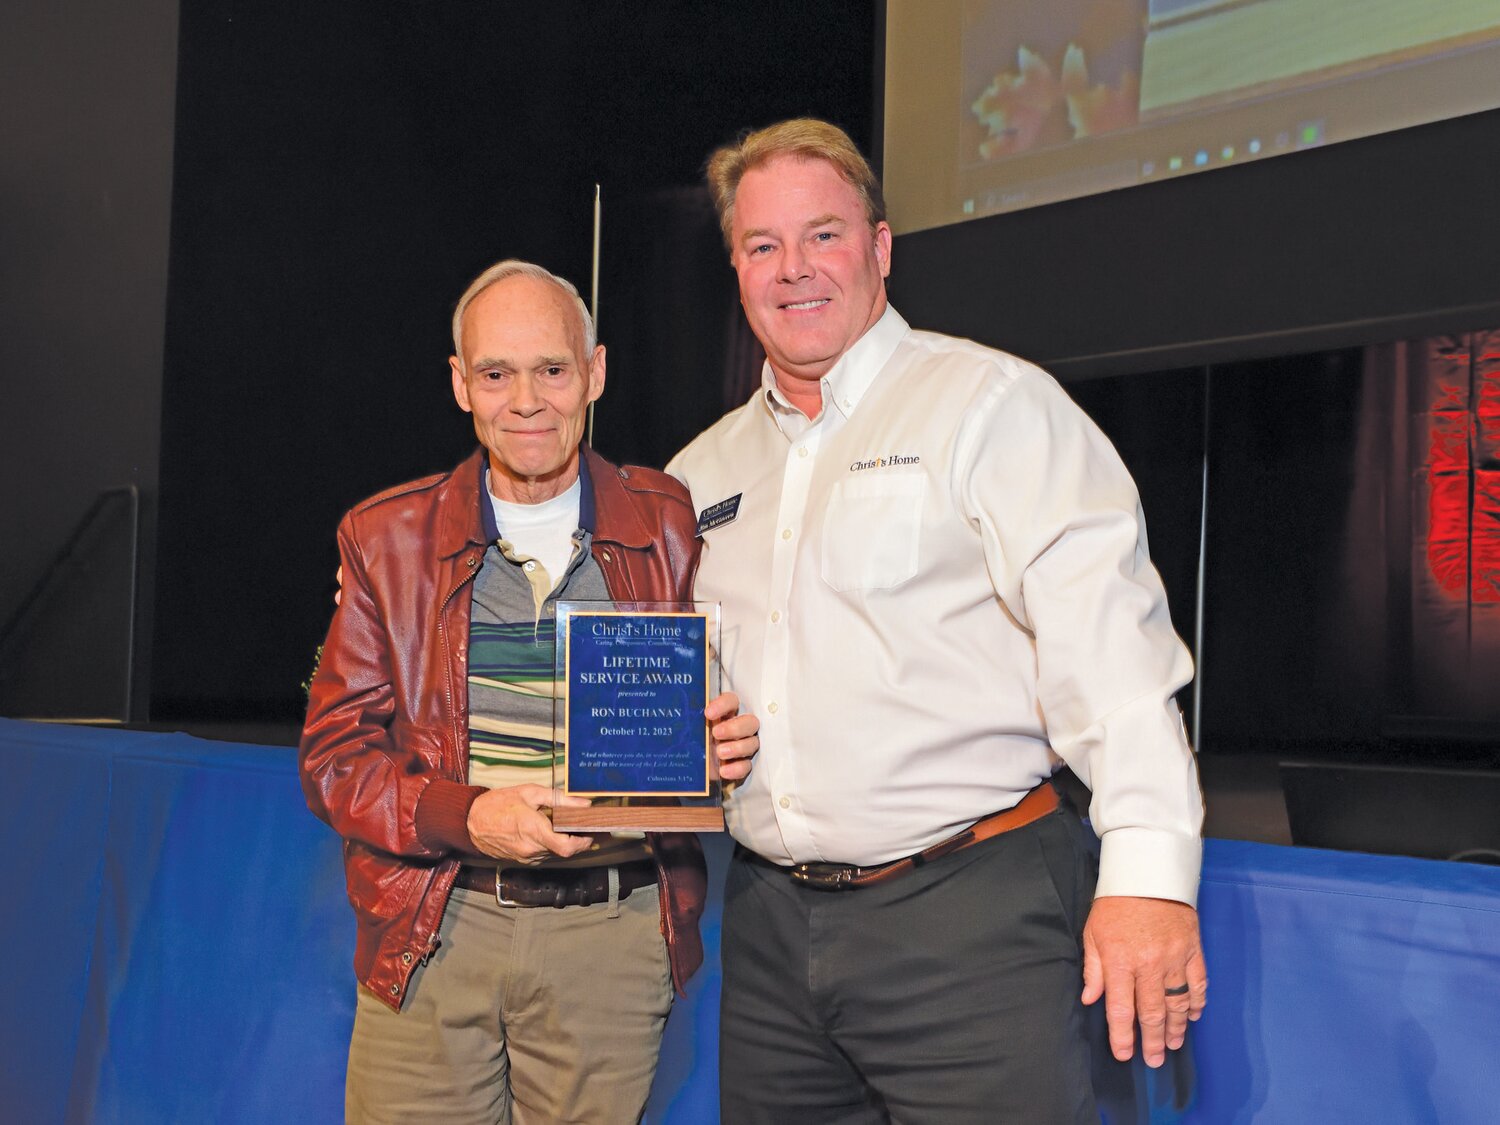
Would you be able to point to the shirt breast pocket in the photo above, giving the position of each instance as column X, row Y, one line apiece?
column 872, row 532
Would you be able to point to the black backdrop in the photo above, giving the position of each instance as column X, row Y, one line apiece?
column 341, row 172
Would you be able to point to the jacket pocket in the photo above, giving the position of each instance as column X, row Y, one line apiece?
column 872, row 532
column 380, row 886
column 425, row 743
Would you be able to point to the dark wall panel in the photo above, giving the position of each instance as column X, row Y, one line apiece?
column 1367, row 240
column 86, row 108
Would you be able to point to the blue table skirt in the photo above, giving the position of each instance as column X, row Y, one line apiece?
column 182, row 951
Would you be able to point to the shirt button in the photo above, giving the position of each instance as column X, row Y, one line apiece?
column 802, row 452
column 531, row 565
column 775, row 616
column 785, row 802
column 786, row 533
column 773, row 707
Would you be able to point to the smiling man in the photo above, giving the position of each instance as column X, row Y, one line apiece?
column 505, row 969
column 936, row 591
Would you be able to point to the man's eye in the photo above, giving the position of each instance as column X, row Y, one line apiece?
column 824, row 236
column 764, row 247
column 555, row 369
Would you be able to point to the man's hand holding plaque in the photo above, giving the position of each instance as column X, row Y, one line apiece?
column 736, row 737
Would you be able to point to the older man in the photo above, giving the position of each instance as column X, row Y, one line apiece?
column 936, row 591
column 504, row 968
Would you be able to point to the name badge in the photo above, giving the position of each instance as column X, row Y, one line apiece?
column 717, row 515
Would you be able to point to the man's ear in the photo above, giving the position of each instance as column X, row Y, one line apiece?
column 460, row 385
column 596, row 373
column 883, row 247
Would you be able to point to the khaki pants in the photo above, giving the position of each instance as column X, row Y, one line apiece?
column 546, row 1015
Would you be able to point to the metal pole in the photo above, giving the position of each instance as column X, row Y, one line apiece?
column 1208, row 372
column 594, row 288
column 135, row 547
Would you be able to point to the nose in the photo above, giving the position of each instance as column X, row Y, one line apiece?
column 794, row 265
column 524, row 399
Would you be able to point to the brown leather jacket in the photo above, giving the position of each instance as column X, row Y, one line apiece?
column 385, row 751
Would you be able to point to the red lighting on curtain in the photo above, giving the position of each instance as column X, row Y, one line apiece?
column 1462, row 463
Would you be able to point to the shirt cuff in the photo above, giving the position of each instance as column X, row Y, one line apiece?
column 1148, row 863
column 442, row 816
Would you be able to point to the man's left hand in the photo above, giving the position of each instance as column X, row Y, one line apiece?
column 735, row 738
column 1138, row 953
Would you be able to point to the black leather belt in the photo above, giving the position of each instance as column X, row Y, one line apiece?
column 554, row 886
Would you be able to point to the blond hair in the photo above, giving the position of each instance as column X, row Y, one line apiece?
column 805, row 138
column 514, row 267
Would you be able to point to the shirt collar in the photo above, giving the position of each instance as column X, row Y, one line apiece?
column 848, row 379
column 585, row 500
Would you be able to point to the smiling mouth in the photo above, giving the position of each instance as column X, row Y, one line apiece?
column 798, row 306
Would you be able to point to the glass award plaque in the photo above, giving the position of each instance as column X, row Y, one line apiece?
column 628, row 726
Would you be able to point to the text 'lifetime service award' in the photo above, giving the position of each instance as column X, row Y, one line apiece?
column 629, row 733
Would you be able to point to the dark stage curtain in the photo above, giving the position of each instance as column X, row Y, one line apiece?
column 1352, row 583
column 679, row 351
column 1443, row 530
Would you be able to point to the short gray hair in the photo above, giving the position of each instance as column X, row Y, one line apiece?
column 514, row 267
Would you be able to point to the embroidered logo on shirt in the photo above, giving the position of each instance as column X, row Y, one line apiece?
column 886, row 462
column 717, row 515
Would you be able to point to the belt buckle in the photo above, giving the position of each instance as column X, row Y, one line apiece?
column 832, row 877
column 500, row 892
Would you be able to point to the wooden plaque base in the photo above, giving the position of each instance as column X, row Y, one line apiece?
column 640, row 818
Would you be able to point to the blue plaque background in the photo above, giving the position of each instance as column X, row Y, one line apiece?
column 636, row 687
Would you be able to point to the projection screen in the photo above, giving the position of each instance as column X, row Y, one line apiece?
column 997, row 105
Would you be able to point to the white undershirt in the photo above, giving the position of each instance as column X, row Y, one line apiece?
column 542, row 531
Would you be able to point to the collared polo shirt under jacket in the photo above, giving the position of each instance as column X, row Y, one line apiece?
column 933, row 594
column 512, row 659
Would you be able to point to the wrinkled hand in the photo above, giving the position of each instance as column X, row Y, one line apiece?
column 508, row 824
column 735, row 738
column 1134, row 949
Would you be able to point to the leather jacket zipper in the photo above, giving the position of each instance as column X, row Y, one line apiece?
column 473, row 565
column 432, row 939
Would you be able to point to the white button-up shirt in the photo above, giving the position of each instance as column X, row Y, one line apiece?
column 932, row 594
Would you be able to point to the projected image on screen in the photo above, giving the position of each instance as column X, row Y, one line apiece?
column 994, row 105
column 1072, row 70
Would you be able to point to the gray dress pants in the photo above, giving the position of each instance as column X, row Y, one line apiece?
column 947, row 995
